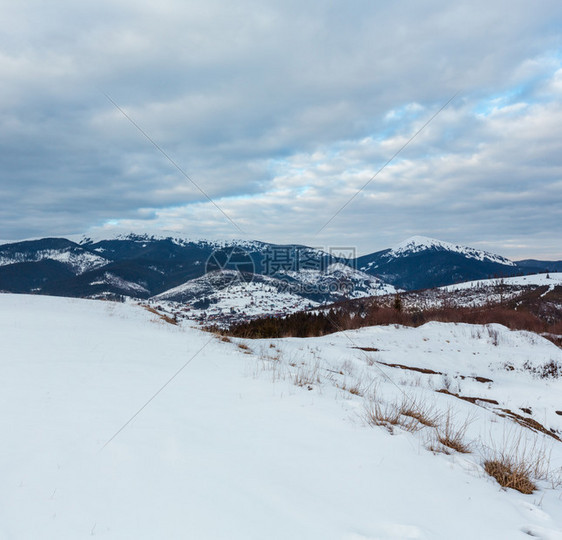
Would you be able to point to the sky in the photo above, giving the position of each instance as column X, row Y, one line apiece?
column 270, row 121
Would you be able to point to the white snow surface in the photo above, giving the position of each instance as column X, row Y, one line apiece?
column 122, row 284
column 253, row 298
column 416, row 244
column 360, row 283
column 79, row 263
column 176, row 238
column 553, row 279
column 232, row 449
column 266, row 295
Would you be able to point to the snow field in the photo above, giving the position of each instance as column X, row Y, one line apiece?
column 238, row 446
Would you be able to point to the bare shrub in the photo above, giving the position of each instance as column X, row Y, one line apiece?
column 550, row 370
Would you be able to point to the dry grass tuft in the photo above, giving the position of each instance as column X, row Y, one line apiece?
column 393, row 414
column 307, row 376
column 510, row 473
column 520, row 463
column 244, row 347
column 452, row 434
column 377, row 414
column 162, row 316
column 354, row 389
column 425, row 414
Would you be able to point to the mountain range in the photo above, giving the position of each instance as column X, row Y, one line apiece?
column 143, row 266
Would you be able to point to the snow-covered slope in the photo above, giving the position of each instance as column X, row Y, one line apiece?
column 417, row 244
column 551, row 279
column 78, row 261
column 261, row 441
column 179, row 240
column 229, row 295
column 422, row 263
column 224, row 295
column 126, row 287
column 338, row 277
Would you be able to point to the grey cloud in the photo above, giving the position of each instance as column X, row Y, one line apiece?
column 232, row 91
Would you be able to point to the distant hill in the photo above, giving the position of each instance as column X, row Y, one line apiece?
column 143, row 266
column 420, row 263
column 544, row 266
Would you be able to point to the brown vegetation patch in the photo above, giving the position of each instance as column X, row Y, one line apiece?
column 510, row 474
column 530, row 423
column 165, row 318
column 482, row 379
column 468, row 398
column 452, row 434
column 409, row 416
column 534, row 315
column 477, row 379
column 411, row 368
column 424, row 414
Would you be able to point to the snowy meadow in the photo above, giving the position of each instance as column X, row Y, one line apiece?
column 118, row 424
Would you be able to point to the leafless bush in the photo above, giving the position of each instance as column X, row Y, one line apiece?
column 550, row 370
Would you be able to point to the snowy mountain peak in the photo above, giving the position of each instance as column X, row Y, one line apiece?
column 417, row 244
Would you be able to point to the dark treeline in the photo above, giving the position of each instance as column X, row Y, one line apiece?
column 349, row 316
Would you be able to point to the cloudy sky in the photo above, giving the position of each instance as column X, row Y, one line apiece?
column 281, row 112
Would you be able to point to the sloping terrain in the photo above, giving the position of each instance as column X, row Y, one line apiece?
column 420, row 263
column 266, row 439
column 142, row 266
column 76, row 258
column 545, row 266
column 230, row 295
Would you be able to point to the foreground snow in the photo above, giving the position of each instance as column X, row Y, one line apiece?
column 232, row 448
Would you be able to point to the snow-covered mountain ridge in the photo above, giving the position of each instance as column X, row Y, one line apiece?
column 144, row 266
column 418, row 244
